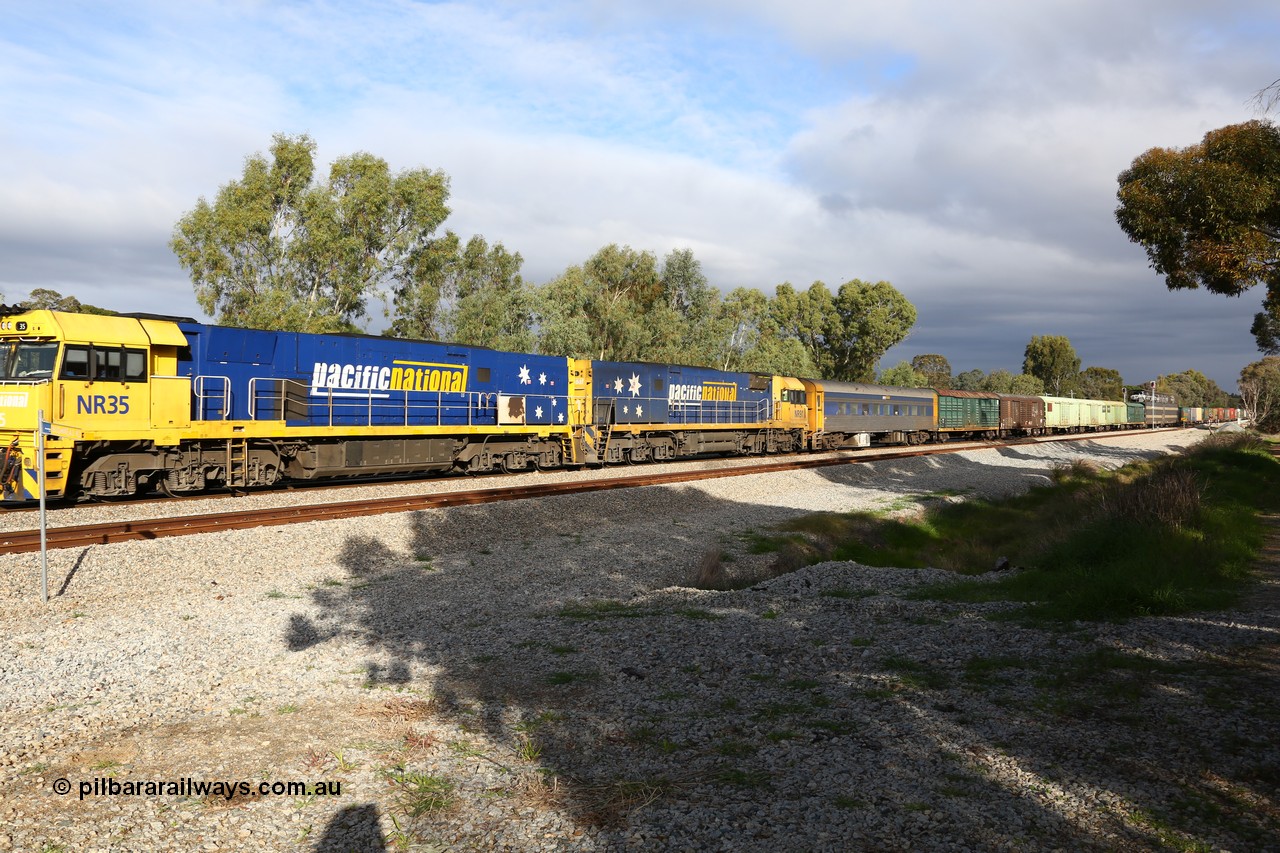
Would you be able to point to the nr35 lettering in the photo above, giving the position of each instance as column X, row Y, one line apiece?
column 102, row 404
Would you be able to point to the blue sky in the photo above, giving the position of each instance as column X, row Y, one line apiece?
column 966, row 152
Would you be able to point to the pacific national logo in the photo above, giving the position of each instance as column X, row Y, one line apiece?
column 401, row 376
column 696, row 395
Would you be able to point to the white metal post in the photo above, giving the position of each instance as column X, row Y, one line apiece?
column 44, row 543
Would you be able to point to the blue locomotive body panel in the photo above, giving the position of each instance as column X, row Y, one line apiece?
column 363, row 380
column 641, row 393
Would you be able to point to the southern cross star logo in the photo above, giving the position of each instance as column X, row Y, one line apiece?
column 634, row 385
column 524, row 375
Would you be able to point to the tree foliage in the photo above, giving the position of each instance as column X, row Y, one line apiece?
column 684, row 319
column 935, row 369
column 474, row 295
column 903, row 375
column 969, row 380
column 1192, row 388
column 1052, row 360
column 278, row 250
column 1209, row 215
column 51, row 300
column 599, row 309
column 1260, row 392
column 1100, row 383
column 845, row 333
column 1266, row 329
column 1004, row 382
column 747, row 337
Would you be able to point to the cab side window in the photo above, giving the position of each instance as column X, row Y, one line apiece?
column 108, row 365
column 75, row 363
column 104, row 364
column 135, row 365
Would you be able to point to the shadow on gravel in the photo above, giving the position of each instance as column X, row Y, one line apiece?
column 353, row 828
column 955, row 473
column 811, row 712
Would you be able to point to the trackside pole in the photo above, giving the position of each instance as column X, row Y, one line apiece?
column 44, row 544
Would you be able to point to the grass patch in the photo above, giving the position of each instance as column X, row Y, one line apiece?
column 915, row 674
column 1166, row 536
column 743, row 778
column 420, row 793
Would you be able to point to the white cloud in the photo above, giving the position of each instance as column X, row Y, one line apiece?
column 965, row 152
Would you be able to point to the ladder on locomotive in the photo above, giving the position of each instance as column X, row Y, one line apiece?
column 237, row 462
column 605, row 414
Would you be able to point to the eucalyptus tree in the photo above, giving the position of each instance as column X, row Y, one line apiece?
column 1100, row 383
column 903, row 375
column 279, row 249
column 935, row 368
column 1260, row 392
column 1052, row 360
column 602, row 308
column 1208, row 215
column 846, row 333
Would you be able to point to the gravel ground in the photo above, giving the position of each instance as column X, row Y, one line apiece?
column 540, row 675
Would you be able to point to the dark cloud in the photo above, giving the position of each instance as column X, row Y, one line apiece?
column 967, row 153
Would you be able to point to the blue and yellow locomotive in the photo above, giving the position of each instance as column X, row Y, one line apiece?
column 142, row 403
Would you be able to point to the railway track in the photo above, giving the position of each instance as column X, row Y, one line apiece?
column 78, row 536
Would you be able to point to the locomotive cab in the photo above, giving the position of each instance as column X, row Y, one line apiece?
column 791, row 403
column 90, row 375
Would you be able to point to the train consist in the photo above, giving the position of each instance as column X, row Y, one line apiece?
column 139, row 403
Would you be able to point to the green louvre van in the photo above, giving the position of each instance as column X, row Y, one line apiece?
column 968, row 412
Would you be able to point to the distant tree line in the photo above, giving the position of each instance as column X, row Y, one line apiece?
column 1050, row 366
column 279, row 248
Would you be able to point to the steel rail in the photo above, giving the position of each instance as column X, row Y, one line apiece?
column 78, row 536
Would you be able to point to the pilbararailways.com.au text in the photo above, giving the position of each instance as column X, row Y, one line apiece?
column 188, row 787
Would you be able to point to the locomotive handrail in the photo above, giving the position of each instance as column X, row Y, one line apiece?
column 281, row 397
column 373, row 406
column 692, row 411
column 201, row 396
